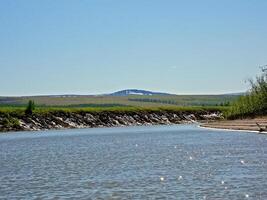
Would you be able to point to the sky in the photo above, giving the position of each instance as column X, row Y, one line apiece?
column 101, row 46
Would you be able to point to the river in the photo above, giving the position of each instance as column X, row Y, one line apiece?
column 145, row 162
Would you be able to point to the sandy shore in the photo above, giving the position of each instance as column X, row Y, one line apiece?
column 257, row 124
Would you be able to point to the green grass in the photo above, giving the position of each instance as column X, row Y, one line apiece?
column 131, row 100
column 16, row 111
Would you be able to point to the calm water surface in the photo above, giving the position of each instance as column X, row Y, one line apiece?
column 158, row 162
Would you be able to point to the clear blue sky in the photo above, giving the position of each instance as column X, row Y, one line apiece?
column 99, row 46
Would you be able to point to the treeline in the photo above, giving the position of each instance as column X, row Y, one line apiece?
column 150, row 100
column 254, row 103
column 173, row 102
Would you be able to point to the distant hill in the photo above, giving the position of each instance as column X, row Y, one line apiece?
column 128, row 97
column 136, row 92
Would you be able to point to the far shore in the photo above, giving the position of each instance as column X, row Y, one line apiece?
column 258, row 124
column 60, row 119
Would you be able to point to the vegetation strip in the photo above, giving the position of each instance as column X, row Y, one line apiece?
column 254, row 103
column 58, row 118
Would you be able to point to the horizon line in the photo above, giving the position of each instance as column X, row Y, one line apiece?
column 103, row 94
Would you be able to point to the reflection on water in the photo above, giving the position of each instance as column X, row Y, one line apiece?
column 159, row 162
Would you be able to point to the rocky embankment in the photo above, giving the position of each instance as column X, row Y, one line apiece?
column 64, row 120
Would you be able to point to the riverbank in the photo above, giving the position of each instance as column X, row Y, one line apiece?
column 84, row 119
column 258, row 124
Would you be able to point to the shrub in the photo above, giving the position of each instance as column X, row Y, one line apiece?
column 30, row 108
column 9, row 122
column 254, row 102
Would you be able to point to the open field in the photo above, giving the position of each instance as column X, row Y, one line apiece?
column 119, row 101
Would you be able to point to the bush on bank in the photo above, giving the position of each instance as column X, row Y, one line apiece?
column 254, row 103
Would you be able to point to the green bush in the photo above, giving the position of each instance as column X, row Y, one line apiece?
column 30, row 108
column 254, row 103
column 9, row 122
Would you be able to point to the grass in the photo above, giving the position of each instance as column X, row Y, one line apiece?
column 131, row 100
column 18, row 111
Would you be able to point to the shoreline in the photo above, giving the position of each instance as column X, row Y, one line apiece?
column 255, row 125
column 72, row 120
column 232, row 130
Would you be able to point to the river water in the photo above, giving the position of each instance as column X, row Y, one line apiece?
column 153, row 162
